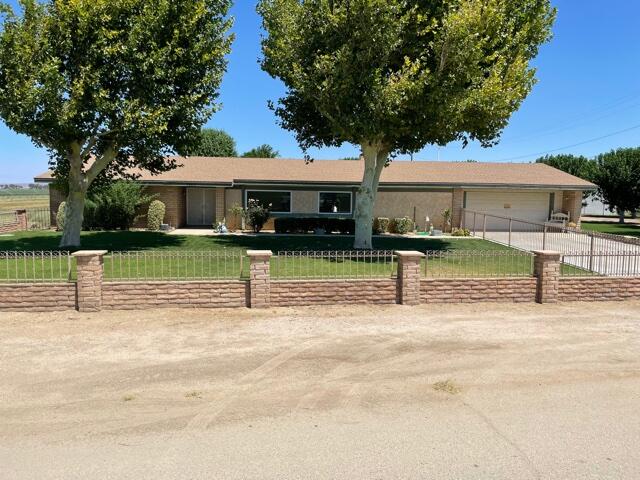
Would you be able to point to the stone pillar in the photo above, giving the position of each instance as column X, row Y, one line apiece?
column 547, row 271
column 408, row 286
column 21, row 215
column 259, row 278
column 456, row 208
column 90, row 270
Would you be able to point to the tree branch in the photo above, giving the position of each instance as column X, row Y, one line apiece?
column 101, row 163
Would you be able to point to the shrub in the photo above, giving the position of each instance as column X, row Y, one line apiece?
column 257, row 215
column 381, row 225
column 238, row 214
column 155, row 215
column 461, row 232
column 90, row 215
column 60, row 216
column 346, row 226
column 402, row 225
column 117, row 205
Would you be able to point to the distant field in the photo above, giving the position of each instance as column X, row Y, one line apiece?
column 15, row 199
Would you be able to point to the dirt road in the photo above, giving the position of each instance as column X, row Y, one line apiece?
column 480, row 391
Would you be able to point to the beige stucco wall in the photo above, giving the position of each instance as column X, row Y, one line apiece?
column 400, row 204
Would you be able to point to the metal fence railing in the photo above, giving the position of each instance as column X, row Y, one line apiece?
column 478, row 264
column 37, row 266
column 333, row 264
column 175, row 265
column 38, row 218
column 8, row 218
column 610, row 264
column 599, row 253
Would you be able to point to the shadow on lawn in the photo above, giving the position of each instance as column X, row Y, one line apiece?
column 140, row 240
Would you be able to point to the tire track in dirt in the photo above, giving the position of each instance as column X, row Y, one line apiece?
column 212, row 410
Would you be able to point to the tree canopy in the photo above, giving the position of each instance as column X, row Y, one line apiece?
column 393, row 76
column 263, row 151
column 214, row 143
column 618, row 179
column 577, row 165
column 106, row 85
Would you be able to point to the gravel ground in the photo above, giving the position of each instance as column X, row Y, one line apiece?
column 477, row 392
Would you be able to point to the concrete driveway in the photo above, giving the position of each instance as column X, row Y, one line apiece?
column 437, row 392
column 610, row 257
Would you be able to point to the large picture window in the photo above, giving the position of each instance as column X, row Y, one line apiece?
column 334, row 202
column 277, row 202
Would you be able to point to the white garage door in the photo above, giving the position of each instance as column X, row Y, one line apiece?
column 532, row 206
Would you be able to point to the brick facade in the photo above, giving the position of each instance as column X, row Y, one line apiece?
column 175, row 201
column 478, row 290
column 572, row 204
column 200, row 294
column 56, row 197
column 38, row 297
column 90, row 271
column 457, row 206
column 290, row 293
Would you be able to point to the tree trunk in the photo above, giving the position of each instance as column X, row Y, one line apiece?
column 73, row 217
column 79, row 182
column 375, row 158
column 620, row 215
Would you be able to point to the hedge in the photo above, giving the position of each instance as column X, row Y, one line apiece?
column 346, row 226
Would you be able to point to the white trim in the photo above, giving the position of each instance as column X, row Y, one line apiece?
column 290, row 192
column 336, row 213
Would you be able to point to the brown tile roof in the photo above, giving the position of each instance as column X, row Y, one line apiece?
column 227, row 171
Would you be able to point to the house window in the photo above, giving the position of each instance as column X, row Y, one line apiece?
column 334, row 202
column 277, row 202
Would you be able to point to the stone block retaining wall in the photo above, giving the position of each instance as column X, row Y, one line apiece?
column 92, row 293
column 478, row 290
column 38, row 297
column 201, row 294
column 289, row 293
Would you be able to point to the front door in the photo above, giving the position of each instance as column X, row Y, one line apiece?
column 201, row 207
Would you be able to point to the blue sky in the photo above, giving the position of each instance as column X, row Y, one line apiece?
column 589, row 87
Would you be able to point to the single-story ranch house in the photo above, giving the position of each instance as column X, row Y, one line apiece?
column 202, row 190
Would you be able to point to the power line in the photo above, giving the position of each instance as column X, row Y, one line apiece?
column 570, row 146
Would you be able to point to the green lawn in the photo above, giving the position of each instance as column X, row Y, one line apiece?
column 627, row 229
column 158, row 256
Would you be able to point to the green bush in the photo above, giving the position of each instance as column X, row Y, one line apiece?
column 60, row 216
column 460, row 232
column 402, row 225
column 90, row 215
column 155, row 215
column 257, row 215
column 346, row 226
column 381, row 225
column 117, row 206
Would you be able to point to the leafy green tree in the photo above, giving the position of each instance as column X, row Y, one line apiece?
column 214, row 143
column 576, row 165
column 110, row 85
column 263, row 151
column 392, row 76
column 618, row 180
